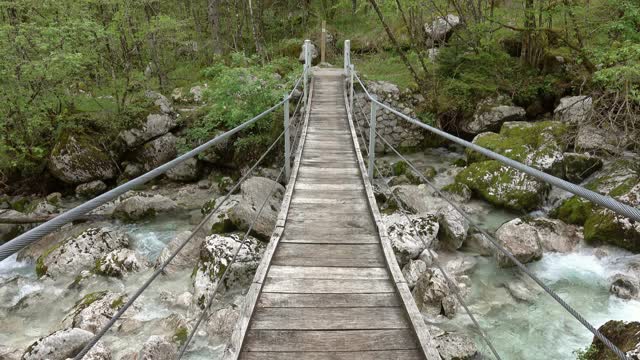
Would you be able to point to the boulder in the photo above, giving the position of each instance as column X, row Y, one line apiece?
column 430, row 291
column 158, row 348
column 597, row 140
column 54, row 198
column 95, row 310
column 156, row 125
column 412, row 271
column 75, row 159
column 519, row 239
column 537, row 144
column 578, row 167
column 554, row 235
column 573, row 109
column 132, row 170
column 184, row 258
column 186, row 171
column 491, row 119
column 417, row 198
column 161, row 101
column 623, row 334
column 79, row 253
column 523, row 289
column 453, row 228
column 503, row 186
column 120, row 262
column 219, row 222
column 143, row 206
column 197, row 93
column 625, row 286
column 222, row 321
column 409, row 240
column 156, row 152
column 216, row 254
column 254, row 193
column 478, row 243
column 59, row 345
column 7, row 353
column 91, row 189
column 452, row 346
column 457, row 192
column 442, row 28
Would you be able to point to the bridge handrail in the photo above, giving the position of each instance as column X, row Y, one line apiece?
column 614, row 205
column 18, row 243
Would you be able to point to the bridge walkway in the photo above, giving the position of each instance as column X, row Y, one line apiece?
column 328, row 292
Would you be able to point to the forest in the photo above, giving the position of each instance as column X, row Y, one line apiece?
column 84, row 66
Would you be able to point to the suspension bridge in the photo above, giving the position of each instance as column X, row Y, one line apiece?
column 328, row 285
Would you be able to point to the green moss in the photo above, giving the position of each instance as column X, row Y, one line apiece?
column 399, row 168
column 429, row 173
column 457, row 189
column 41, row 267
column 180, row 335
column 459, row 162
column 208, row 207
column 90, row 299
column 21, row 205
column 224, row 225
column 117, row 303
column 586, row 354
column 574, row 210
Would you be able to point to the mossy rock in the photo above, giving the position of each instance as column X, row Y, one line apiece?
column 429, row 173
column 399, row 168
column 75, row 159
column 503, row 186
column 624, row 335
column 539, row 144
column 604, row 226
column 458, row 190
column 574, row 210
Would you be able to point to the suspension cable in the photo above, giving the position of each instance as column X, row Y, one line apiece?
column 18, row 243
column 161, row 268
column 497, row 245
column 453, row 285
column 205, row 311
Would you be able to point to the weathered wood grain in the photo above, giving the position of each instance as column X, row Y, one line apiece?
column 329, row 318
column 318, row 272
column 328, row 300
column 323, row 286
column 336, row 355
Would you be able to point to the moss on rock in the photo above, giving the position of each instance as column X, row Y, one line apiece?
column 503, row 186
column 574, row 210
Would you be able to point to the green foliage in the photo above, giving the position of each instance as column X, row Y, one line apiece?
column 587, row 353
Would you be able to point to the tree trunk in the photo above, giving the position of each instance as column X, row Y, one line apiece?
column 254, row 28
column 213, row 12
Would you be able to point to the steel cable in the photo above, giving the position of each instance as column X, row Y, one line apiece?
column 160, row 269
column 513, row 259
column 450, row 283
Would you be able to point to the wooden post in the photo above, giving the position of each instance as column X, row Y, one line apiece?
column 323, row 41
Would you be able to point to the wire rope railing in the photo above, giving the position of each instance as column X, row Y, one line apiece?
column 599, row 199
column 452, row 284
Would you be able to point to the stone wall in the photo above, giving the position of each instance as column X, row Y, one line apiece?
column 395, row 130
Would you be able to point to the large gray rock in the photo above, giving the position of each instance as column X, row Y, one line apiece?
column 491, row 119
column 120, row 262
column 76, row 159
column 254, row 193
column 573, row 109
column 157, row 152
column 186, row 171
column 91, row 189
column 222, row 321
column 412, row 272
column 216, row 254
column 313, row 51
column 184, row 258
column 521, row 240
column 593, row 139
column 430, row 292
column 80, row 253
column 161, row 101
column 94, row 310
column 441, row 28
column 625, row 286
column 155, row 125
column 418, row 198
column 158, row 348
column 555, row 235
column 453, row 346
column 409, row 240
column 453, row 228
column 8, row 353
column 59, row 345
column 143, row 206
column 219, row 222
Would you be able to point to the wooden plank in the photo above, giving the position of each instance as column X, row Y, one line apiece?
column 329, row 318
column 334, row 251
column 317, row 272
column 328, row 300
column 343, row 231
column 300, row 185
column 341, row 340
column 335, row 355
column 319, row 239
column 340, row 262
column 324, row 286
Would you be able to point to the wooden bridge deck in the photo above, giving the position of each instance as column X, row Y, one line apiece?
column 328, row 286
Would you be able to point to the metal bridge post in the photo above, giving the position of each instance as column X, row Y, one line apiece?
column 351, row 73
column 372, row 139
column 307, row 66
column 287, row 140
column 347, row 56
